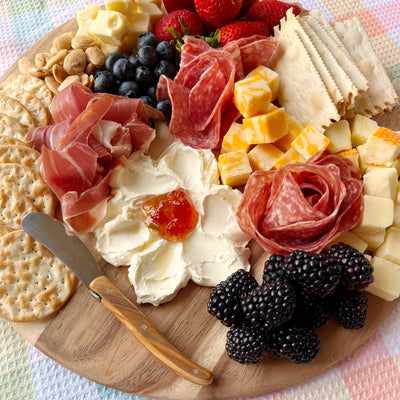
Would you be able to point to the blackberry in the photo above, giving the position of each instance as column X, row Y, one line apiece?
column 269, row 305
column 299, row 344
column 224, row 302
column 273, row 268
column 315, row 273
column 349, row 308
column 246, row 344
column 356, row 269
column 311, row 309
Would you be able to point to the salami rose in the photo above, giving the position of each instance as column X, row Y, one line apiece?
column 302, row 205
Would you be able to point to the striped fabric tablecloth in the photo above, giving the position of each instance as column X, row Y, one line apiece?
column 370, row 373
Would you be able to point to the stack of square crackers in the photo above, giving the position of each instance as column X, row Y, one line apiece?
column 33, row 283
column 328, row 72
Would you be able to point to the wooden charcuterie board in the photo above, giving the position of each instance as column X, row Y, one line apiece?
column 87, row 339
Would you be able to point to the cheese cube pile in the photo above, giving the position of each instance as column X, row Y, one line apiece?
column 117, row 28
column 270, row 137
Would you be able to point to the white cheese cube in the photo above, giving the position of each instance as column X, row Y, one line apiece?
column 386, row 284
column 396, row 216
column 373, row 240
column 361, row 128
column 381, row 182
column 352, row 240
column 340, row 136
column 390, row 248
column 377, row 215
column 398, row 193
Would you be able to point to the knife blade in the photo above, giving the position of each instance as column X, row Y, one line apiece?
column 76, row 256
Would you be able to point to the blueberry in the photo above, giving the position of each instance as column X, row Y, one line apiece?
column 148, row 56
column 165, row 51
column 151, row 92
column 127, row 54
column 111, row 59
column 103, row 82
column 166, row 68
column 146, row 39
column 129, row 89
column 123, row 69
column 144, row 77
column 134, row 60
column 148, row 100
column 165, row 107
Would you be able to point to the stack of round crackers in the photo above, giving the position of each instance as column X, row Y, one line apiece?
column 33, row 283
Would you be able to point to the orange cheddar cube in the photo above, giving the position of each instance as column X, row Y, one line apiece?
column 263, row 156
column 266, row 128
column 289, row 156
column 234, row 168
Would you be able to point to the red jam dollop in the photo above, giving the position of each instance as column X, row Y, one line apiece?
column 172, row 215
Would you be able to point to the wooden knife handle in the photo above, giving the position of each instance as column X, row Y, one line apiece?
column 147, row 334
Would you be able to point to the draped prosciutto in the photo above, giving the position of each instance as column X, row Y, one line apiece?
column 302, row 205
column 202, row 92
column 78, row 152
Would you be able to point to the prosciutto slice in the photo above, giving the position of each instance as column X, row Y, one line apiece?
column 91, row 132
column 202, row 92
column 302, row 205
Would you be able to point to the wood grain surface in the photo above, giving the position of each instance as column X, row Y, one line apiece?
column 87, row 339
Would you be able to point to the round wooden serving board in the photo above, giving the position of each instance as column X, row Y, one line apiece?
column 87, row 339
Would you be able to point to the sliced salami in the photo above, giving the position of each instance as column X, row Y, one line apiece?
column 301, row 205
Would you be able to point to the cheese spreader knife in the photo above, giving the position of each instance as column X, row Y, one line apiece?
column 76, row 256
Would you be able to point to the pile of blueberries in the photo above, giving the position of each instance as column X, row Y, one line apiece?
column 136, row 75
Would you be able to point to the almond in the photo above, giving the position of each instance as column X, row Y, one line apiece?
column 59, row 73
column 51, row 83
column 82, row 42
column 75, row 62
column 41, row 59
column 68, row 80
column 56, row 58
column 95, row 56
column 63, row 41
column 24, row 64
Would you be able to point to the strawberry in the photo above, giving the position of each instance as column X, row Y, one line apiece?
column 270, row 11
column 172, row 5
column 240, row 29
column 183, row 22
column 217, row 13
column 246, row 4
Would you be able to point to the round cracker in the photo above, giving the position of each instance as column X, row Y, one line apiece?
column 34, row 284
column 15, row 109
column 20, row 154
column 30, row 83
column 10, row 140
column 30, row 184
column 31, row 103
column 13, row 206
column 11, row 127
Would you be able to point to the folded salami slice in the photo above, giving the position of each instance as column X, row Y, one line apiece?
column 302, row 205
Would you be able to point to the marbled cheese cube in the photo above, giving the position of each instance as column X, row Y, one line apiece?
column 270, row 76
column 390, row 248
column 235, row 139
column 381, row 182
column 266, row 128
column 310, row 141
column 377, row 215
column 382, row 147
column 252, row 96
column 263, row 156
column 234, row 168
column 295, row 128
column 351, row 239
column 351, row 155
column 361, row 128
column 289, row 156
column 386, row 284
column 339, row 134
